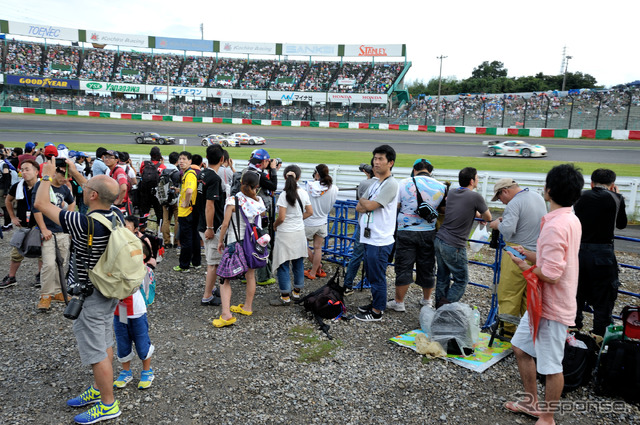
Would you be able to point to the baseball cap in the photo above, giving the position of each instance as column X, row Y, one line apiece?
column 260, row 154
column 501, row 184
column 50, row 151
column 112, row 153
column 30, row 146
column 424, row 167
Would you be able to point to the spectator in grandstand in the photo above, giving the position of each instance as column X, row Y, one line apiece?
column 323, row 194
column 61, row 61
column 170, row 206
column 251, row 205
column 98, row 65
column 290, row 246
column 23, row 58
column 556, row 265
column 377, row 216
column 99, row 167
column 21, row 194
column 415, row 236
column 600, row 211
column 463, row 206
column 189, row 237
column 519, row 225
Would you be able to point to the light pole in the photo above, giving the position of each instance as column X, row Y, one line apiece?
column 566, row 65
column 439, row 87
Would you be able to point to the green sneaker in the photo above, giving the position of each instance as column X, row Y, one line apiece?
column 99, row 412
column 269, row 281
column 89, row 396
column 180, row 269
column 146, row 378
column 123, row 379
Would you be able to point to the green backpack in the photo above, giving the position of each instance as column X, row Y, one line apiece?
column 121, row 269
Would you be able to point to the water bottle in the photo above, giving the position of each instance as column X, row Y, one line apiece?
column 475, row 325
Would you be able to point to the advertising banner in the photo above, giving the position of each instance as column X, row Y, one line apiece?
column 101, row 37
column 310, row 49
column 237, row 94
column 358, row 98
column 112, row 87
column 42, row 82
column 1, row 78
column 373, row 50
column 43, row 31
column 251, row 48
column 294, row 96
column 176, row 91
column 184, row 44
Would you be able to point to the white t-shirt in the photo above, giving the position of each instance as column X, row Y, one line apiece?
column 381, row 221
column 322, row 201
column 293, row 220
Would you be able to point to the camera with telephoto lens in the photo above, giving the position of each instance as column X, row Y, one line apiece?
column 80, row 291
column 278, row 162
column 366, row 168
column 61, row 163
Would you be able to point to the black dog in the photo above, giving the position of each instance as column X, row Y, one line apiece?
column 326, row 302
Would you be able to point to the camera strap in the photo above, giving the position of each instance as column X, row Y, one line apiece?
column 418, row 194
column 60, row 264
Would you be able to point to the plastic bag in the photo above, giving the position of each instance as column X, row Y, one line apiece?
column 426, row 318
column 480, row 234
column 451, row 327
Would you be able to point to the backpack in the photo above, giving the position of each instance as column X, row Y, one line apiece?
column 618, row 373
column 120, row 270
column 236, row 181
column 149, row 177
column 578, row 363
column 168, row 180
column 326, row 302
column 148, row 287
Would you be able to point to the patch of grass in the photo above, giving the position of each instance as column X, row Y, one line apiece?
column 312, row 347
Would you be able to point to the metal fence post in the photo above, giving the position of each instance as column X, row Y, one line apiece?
column 571, row 110
column 484, row 104
column 546, row 117
column 599, row 107
column 626, row 123
column 524, row 116
column 504, row 109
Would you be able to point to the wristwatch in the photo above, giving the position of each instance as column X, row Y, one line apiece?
column 47, row 178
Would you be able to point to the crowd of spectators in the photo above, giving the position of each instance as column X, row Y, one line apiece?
column 61, row 61
column 227, row 73
column 165, row 69
column 132, row 68
column 349, row 77
column 258, row 75
column 196, row 71
column 98, row 65
column 319, row 76
column 289, row 74
column 23, row 58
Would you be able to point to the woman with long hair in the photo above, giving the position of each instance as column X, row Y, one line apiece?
column 323, row 194
column 250, row 205
column 290, row 247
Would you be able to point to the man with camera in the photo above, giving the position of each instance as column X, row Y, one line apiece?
column 94, row 326
column 416, row 233
column 54, row 241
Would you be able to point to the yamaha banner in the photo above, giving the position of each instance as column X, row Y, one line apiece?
column 42, row 82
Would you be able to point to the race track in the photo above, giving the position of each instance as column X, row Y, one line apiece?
column 18, row 129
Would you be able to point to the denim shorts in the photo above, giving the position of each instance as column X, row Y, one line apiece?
column 135, row 331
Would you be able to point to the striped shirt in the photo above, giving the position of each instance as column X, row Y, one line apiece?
column 77, row 225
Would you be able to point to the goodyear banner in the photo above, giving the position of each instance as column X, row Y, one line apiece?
column 101, row 37
column 43, row 31
column 310, row 49
column 251, row 48
column 373, row 50
column 112, row 87
column 42, row 82
column 184, row 44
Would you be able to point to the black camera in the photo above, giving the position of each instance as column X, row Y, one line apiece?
column 366, row 168
column 80, row 291
column 278, row 162
column 366, row 232
column 61, row 163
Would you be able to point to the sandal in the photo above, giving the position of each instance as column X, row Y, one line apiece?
column 307, row 274
column 221, row 323
column 238, row 309
column 516, row 407
column 321, row 273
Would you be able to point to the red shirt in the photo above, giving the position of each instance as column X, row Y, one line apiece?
column 120, row 175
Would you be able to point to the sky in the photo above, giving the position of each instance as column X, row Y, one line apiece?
column 527, row 36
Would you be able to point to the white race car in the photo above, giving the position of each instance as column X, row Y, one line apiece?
column 513, row 148
column 218, row 139
column 245, row 139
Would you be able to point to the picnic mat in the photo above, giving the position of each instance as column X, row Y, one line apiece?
column 482, row 359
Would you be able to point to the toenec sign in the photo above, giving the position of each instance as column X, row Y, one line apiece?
column 43, row 31
column 373, row 50
column 101, row 37
column 55, row 83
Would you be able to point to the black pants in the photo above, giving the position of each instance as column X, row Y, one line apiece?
column 597, row 284
column 189, row 242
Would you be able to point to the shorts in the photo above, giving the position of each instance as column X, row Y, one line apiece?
column 311, row 231
column 415, row 248
column 212, row 256
column 550, row 344
column 94, row 328
column 16, row 257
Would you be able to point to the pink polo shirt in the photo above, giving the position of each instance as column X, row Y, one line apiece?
column 557, row 257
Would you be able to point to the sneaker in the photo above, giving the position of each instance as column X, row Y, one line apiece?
column 8, row 281
column 394, row 305
column 89, row 396
column 348, row 291
column 123, row 379
column 216, row 292
column 365, row 308
column 99, row 412
column 37, row 282
column 295, row 294
column 369, row 316
column 428, row 302
column 197, row 267
column 146, row 378
column 7, row 227
column 279, row 301
column 59, row 297
column 180, row 269
column 215, row 301
column 45, row 302
column 269, row 281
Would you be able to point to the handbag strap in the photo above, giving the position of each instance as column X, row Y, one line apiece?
column 236, row 231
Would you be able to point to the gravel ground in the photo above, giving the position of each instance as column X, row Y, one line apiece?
column 252, row 371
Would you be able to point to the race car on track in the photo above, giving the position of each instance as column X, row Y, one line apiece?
column 513, row 148
column 146, row 137
column 215, row 139
column 245, row 139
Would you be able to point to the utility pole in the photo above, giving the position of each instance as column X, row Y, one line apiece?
column 566, row 65
column 439, row 87
column 201, row 31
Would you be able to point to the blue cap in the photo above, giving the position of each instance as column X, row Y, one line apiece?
column 29, row 146
column 48, row 144
column 61, row 147
column 260, row 154
column 418, row 161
